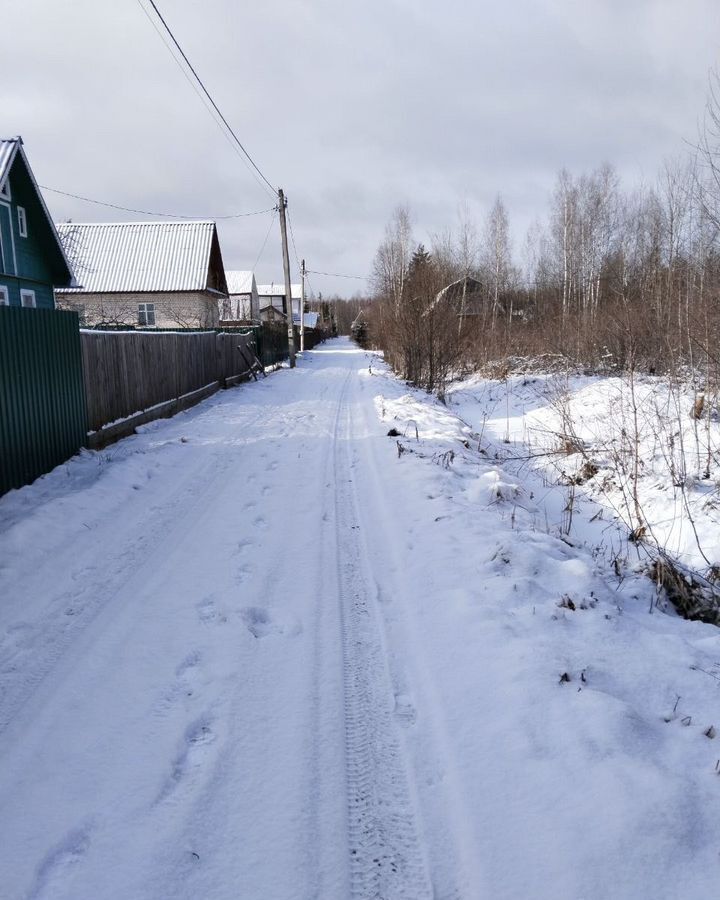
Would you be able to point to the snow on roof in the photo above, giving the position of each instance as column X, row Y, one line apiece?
column 8, row 149
column 239, row 282
column 275, row 289
column 309, row 317
column 140, row 256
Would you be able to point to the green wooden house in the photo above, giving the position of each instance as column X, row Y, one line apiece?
column 32, row 260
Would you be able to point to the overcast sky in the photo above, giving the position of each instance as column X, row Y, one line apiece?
column 351, row 107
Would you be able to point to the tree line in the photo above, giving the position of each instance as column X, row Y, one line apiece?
column 612, row 279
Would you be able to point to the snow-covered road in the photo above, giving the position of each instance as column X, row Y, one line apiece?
column 194, row 691
column 252, row 652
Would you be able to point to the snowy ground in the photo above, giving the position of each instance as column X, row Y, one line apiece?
column 561, row 425
column 265, row 650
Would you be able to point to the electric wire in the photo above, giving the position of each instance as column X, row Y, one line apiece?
column 292, row 238
column 338, row 275
column 272, row 222
column 205, row 91
column 198, row 92
column 145, row 212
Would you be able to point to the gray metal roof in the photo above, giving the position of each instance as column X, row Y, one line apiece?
column 139, row 256
column 239, row 282
column 277, row 289
column 8, row 148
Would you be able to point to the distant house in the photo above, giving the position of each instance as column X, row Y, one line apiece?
column 32, row 260
column 156, row 274
column 242, row 303
column 310, row 320
column 272, row 301
column 271, row 314
column 359, row 329
column 464, row 296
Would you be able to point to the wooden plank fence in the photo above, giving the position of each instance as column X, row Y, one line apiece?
column 61, row 388
column 128, row 374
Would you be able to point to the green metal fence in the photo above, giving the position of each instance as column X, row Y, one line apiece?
column 43, row 418
column 271, row 342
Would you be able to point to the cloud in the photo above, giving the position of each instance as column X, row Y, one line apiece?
column 352, row 108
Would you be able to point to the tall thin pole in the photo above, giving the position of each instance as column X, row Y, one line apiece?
column 282, row 203
column 302, row 306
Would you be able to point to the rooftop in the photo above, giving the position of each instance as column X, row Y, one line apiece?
column 140, row 256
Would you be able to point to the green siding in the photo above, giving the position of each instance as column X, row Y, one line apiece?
column 7, row 263
column 43, row 417
column 44, row 297
column 33, row 262
column 33, row 252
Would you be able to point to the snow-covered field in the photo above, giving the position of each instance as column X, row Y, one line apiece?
column 265, row 650
column 588, row 432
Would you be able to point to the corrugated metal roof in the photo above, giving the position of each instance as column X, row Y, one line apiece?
column 8, row 147
column 115, row 257
column 239, row 282
column 278, row 290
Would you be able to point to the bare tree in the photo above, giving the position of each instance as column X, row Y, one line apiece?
column 497, row 262
column 392, row 259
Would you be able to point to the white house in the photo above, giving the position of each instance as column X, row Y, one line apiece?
column 161, row 274
column 243, row 303
column 272, row 297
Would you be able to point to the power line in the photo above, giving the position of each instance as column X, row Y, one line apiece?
column 208, row 95
column 292, row 238
column 338, row 275
column 272, row 222
column 196, row 89
column 145, row 212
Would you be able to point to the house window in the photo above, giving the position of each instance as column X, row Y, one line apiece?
column 146, row 314
column 22, row 221
column 4, row 296
column 27, row 298
column 5, row 192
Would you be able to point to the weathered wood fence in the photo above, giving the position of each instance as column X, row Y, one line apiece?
column 61, row 388
column 139, row 376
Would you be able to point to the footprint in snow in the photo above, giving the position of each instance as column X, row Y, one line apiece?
column 57, row 864
column 260, row 623
column 208, row 613
column 405, row 712
column 188, row 673
column 244, row 572
column 196, row 750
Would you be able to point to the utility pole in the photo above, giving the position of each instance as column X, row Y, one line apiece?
column 302, row 306
column 282, row 203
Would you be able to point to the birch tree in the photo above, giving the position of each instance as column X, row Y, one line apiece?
column 497, row 260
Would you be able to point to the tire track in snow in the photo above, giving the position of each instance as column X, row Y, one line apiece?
column 386, row 856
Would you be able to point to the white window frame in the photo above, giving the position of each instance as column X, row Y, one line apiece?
column 5, row 192
column 26, row 294
column 143, row 310
column 4, row 296
column 22, row 221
